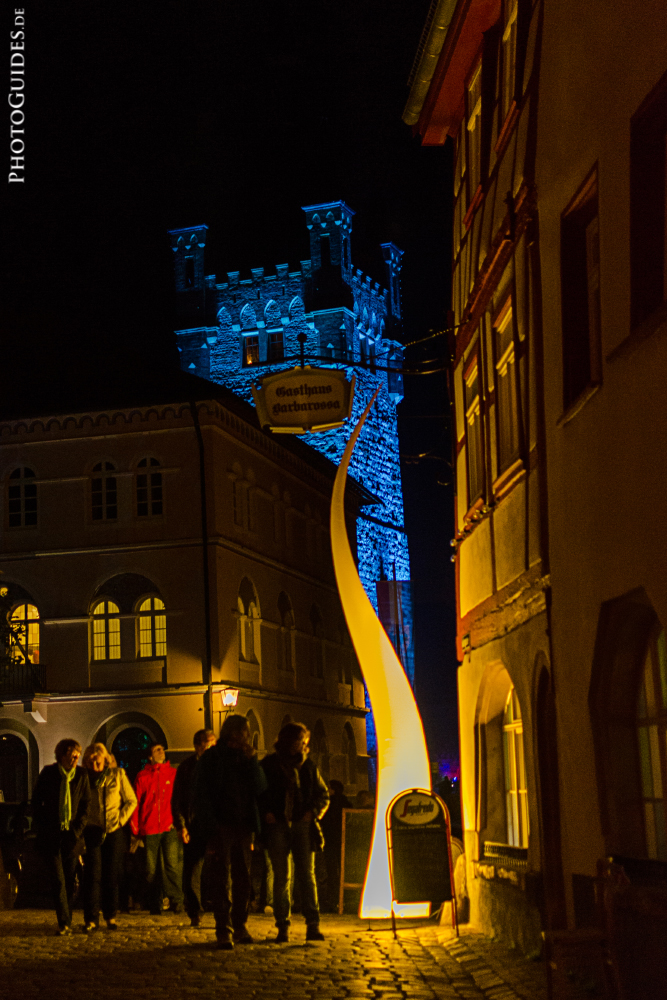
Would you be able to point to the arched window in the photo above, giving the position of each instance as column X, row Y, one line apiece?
column 349, row 748
column 131, row 750
column 248, row 318
column 152, row 628
column 319, row 749
column 274, row 329
column 286, row 634
column 24, row 639
column 317, row 644
column 104, row 493
column 248, row 622
column 255, row 732
column 651, row 730
column 106, row 631
column 22, row 498
column 149, row 488
column 516, row 795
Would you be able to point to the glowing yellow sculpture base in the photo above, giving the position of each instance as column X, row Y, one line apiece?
column 402, row 755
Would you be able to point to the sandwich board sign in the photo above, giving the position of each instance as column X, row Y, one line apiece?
column 304, row 400
column 420, row 850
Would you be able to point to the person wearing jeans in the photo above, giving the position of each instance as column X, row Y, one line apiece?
column 295, row 800
column 152, row 822
column 112, row 803
column 60, row 804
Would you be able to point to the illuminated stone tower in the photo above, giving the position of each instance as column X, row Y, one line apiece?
column 226, row 328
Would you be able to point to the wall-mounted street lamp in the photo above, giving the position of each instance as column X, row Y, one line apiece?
column 228, row 699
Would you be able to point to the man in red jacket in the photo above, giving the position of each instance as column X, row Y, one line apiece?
column 152, row 822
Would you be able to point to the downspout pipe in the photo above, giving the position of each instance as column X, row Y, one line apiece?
column 208, row 667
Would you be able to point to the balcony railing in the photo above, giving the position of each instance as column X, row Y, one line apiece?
column 22, row 680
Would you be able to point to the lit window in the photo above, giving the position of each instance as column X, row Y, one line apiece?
column 106, row 631
column 104, row 493
column 149, row 488
column 22, row 498
column 516, row 795
column 251, row 350
column 508, row 56
column 651, row 730
column 152, row 628
column 24, row 638
column 474, row 435
column 507, row 409
column 474, row 128
column 580, row 287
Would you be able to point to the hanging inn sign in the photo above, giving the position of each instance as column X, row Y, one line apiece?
column 304, row 400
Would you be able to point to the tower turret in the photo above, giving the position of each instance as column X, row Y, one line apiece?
column 393, row 258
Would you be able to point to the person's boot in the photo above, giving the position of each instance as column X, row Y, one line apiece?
column 283, row 935
column 243, row 936
column 225, row 942
column 313, row 933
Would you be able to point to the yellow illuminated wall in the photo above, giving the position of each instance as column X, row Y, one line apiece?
column 402, row 755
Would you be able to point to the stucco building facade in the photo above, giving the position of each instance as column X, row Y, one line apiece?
column 161, row 549
column 558, row 363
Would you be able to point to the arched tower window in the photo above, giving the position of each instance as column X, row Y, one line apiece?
column 106, row 631
column 274, row 328
column 286, row 634
column 651, row 730
column 149, row 488
column 22, row 498
column 24, row 639
column 152, row 628
column 104, row 492
column 317, row 643
column 516, row 795
column 248, row 622
column 350, row 754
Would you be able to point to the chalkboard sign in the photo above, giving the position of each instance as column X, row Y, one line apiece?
column 418, row 832
column 355, row 848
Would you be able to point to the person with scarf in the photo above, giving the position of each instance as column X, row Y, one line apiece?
column 60, row 804
column 228, row 781
column 295, row 800
column 112, row 803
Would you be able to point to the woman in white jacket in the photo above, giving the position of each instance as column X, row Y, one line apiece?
column 112, row 803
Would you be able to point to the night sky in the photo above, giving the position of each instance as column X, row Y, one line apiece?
column 141, row 117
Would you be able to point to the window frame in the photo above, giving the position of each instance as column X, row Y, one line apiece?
column 153, row 468
column 107, row 472
column 473, row 366
column 23, row 644
column 651, row 716
column 473, row 127
column 506, row 353
column 514, row 768
column 581, row 311
column 105, row 618
column 28, row 518
column 158, row 645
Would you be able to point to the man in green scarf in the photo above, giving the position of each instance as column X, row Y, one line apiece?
column 60, row 804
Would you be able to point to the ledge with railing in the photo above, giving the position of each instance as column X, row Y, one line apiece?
column 22, row 680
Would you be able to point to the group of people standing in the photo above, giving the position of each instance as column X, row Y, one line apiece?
column 221, row 802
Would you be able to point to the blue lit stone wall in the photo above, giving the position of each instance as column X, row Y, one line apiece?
column 345, row 316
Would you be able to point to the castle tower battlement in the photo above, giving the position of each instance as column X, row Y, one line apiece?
column 237, row 330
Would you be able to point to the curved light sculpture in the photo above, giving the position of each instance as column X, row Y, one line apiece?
column 402, row 755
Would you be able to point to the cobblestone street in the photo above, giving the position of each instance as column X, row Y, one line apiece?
column 151, row 957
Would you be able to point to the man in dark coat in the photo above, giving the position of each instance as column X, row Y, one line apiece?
column 60, row 804
column 185, row 821
column 228, row 781
column 295, row 800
